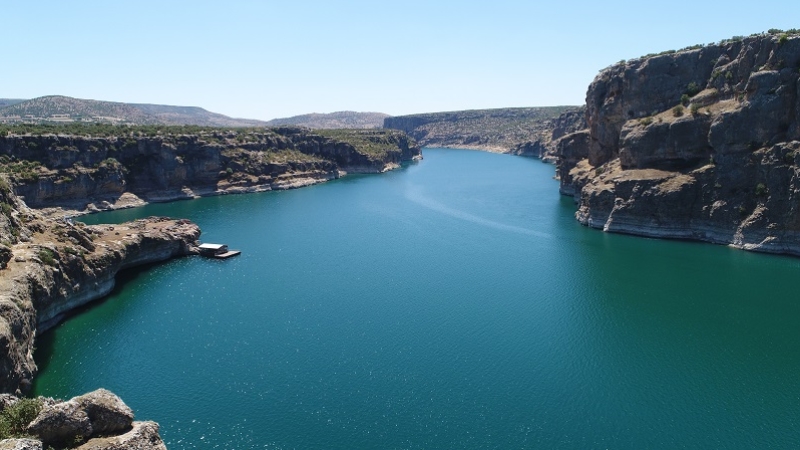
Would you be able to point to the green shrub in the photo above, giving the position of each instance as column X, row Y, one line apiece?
column 645, row 121
column 6, row 209
column 15, row 418
column 695, row 109
column 761, row 190
column 677, row 111
column 692, row 89
column 47, row 256
column 783, row 39
column 685, row 99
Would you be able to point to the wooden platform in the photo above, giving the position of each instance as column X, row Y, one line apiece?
column 227, row 254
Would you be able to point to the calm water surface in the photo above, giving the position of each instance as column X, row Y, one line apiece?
column 454, row 303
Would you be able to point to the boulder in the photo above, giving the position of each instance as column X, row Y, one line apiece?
column 107, row 412
column 62, row 423
column 94, row 414
column 143, row 436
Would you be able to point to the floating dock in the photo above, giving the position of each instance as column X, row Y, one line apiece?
column 219, row 251
column 227, row 254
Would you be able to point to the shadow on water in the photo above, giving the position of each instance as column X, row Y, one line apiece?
column 45, row 342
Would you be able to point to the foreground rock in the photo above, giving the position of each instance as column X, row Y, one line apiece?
column 97, row 420
column 699, row 144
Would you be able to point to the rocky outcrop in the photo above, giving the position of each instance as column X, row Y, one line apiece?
column 57, row 265
column 122, row 167
column 98, row 420
column 696, row 144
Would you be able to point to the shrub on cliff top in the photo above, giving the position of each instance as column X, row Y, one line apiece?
column 677, row 111
column 47, row 256
column 15, row 418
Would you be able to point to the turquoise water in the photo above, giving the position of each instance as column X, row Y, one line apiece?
column 454, row 303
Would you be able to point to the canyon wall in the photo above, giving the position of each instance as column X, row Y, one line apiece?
column 702, row 143
column 84, row 172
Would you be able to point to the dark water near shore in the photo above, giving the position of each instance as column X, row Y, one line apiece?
column 454, row 303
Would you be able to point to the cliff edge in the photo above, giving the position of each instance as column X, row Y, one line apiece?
column 49, row 267
column 702, row 143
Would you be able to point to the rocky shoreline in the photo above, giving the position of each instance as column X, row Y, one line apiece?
column 55, row 266
column 49, row 267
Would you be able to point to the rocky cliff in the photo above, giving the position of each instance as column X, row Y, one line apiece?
column 104, row 167
column 702, row 143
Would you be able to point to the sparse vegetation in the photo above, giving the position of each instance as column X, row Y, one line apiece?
column 15, row 418
column 47, row 256
column 761, row 190
column 375, row 143
column 677, row 111
column 695, row 109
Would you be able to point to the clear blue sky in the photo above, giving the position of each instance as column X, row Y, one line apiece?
column 268, row 59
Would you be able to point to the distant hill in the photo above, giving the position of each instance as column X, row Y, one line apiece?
column 500, row 130
column 335, row 120
column 61, row 109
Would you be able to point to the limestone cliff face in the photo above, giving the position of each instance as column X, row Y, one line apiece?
column 91, row 173
column 697, row 144
column 54, row 266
